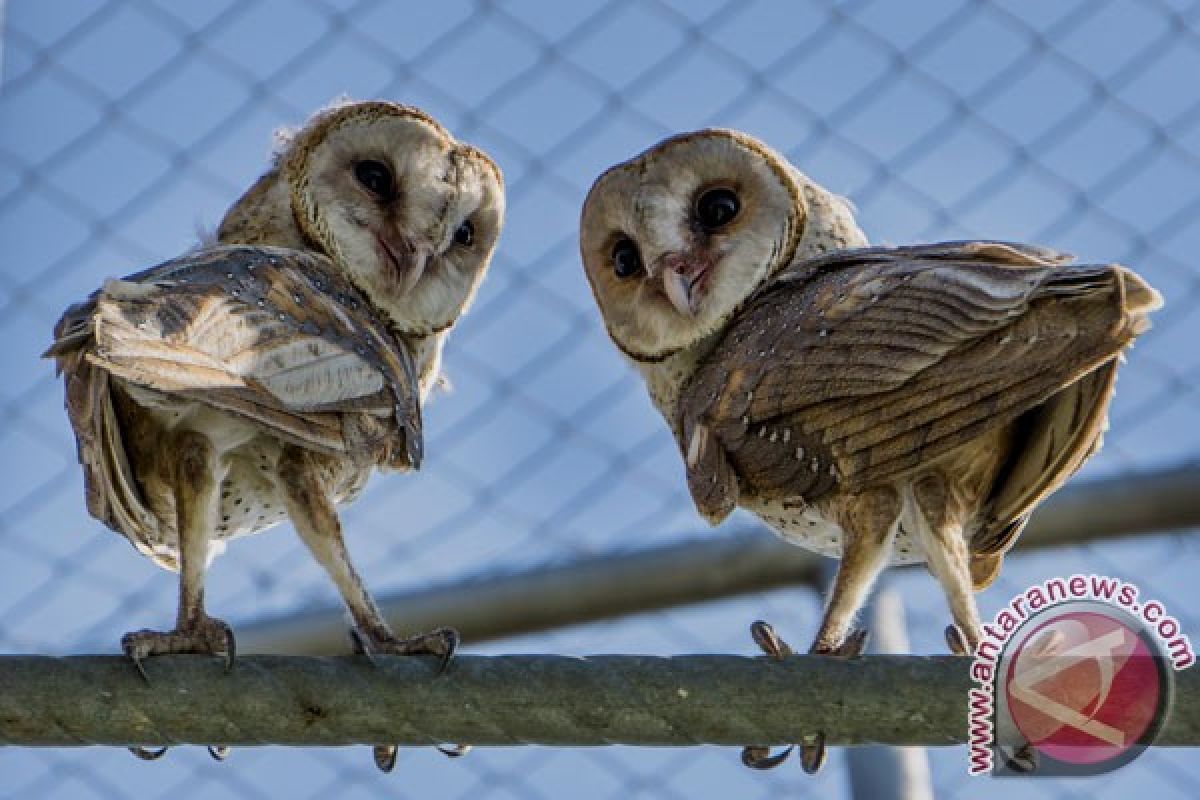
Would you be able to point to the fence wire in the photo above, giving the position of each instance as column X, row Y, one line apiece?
column 129, row 125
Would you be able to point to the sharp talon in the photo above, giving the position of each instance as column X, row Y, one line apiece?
column 219, row 752
column 855, row 644
column 454, row 750
column 230, row 649
column 1023, row 759
column 955, row 640
column 385, row 756
column 360, row 646
column 130, row 650
column 768, row 640
column 759, row 757
column 137, row 664
column 450, row 636
column 146, row 754
column 812, row 756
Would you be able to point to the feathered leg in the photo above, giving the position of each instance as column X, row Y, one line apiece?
column 194, row 482
column 316, row 520
column 949, row 559
column 868, row 522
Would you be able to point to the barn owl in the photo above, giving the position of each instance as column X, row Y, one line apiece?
column 265, row 375
column 879, row 405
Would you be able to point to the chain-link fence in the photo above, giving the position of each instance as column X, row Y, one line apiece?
column 128, row 125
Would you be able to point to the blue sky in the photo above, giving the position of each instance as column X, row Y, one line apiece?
column 126, row 127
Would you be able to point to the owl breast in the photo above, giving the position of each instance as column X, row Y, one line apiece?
column 805, row 525
column 250, row 501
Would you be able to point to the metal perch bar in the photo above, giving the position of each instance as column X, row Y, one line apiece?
column 708, row 568
column 500, row 700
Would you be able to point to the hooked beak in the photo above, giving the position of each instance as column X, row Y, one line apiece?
column 406, row 258
column 684, row 281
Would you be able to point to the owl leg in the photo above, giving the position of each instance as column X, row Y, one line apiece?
column 948, row 558
column 317, row 522
column 869, row 522
column 194, row 480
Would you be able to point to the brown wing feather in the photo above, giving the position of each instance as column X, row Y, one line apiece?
column 1056, row 438
column 111, row 490
column 268, row 334
column 854, row 369
column 271, row 334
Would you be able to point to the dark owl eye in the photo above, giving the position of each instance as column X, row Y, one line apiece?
column 465, row 234
column 716, row 208
column 376, row 178
column 626, row 259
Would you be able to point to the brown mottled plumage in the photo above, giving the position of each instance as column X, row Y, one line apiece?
column 275, row 337
column 267, row 375
column 881, row 405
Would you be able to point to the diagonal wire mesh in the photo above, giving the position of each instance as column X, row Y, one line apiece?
column 128, row 125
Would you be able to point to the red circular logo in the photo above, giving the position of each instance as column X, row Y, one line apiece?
column 1085, row 688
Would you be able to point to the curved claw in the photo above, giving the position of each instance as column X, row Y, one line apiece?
column 130, row 650
column 768, row 640
column 855, row 644
column 361, row 648
column 955, row 640
column 764, row 635
column 1023, row 759
column 230, row 647
column 757, row 756
column 454, row 750
column 385, row 756
column 812, row 756
column 146, row 754
column 451, row 637
column 219, row 752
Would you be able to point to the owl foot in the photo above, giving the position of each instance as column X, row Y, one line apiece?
column 757, row 756
column 812, row 750
column 204, row 634
column 442, row 642
column 851, row 647
column 1022, row 759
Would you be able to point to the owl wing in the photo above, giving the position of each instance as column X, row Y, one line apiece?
column 855, row 368
column 271, row 335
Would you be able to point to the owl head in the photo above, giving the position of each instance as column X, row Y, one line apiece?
column 674, row 240
column 410, row 214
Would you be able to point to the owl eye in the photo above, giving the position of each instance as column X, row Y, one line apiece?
column 376, row 178
column 465, row 234
column 626, row 260
column 716, row 208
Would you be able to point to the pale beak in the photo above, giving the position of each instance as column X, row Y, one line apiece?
column 679, row 292
column 416, row 268
column 408, row 260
